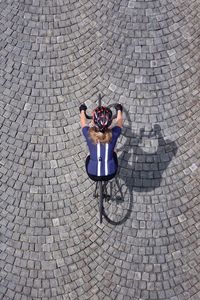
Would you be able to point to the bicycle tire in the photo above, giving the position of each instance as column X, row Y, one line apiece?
column 100, row 201
column 118, row 207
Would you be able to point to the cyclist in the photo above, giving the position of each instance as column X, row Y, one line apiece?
column 102, row 163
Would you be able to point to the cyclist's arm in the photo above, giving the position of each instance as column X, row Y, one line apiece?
column 119, row 119
column 83, row 119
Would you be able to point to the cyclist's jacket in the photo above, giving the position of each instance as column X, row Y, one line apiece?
column 101, row 161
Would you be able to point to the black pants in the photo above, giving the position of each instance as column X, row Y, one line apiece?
column 101, row 178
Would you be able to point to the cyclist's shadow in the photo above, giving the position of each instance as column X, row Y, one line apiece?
column 141, row 170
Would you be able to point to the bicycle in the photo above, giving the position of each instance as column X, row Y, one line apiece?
column 102, row 184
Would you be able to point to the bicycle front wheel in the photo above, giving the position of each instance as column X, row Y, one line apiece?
column 99, row 100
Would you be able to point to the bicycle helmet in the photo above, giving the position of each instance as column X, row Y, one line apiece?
column 102, row 117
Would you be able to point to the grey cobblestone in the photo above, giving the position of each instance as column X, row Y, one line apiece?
column 54, row 56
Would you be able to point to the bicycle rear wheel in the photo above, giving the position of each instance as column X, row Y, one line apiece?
column 100, row 201
column 118, row 203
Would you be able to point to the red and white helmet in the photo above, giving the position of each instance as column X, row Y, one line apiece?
column 102, row 117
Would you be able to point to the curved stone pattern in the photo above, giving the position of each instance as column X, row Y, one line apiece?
column 53, row 56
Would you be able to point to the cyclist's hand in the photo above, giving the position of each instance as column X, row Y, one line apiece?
column 118, row 106
column 83, row 107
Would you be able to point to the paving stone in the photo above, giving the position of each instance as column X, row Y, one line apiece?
column 54, row 56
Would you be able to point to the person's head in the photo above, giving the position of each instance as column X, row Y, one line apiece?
column 102, row 119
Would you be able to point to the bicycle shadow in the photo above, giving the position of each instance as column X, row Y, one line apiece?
column 142, row 162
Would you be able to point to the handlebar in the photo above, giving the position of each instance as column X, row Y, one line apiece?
column 87, row 116
column 100, row 104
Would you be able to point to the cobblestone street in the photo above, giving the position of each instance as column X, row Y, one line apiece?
column 54, row 55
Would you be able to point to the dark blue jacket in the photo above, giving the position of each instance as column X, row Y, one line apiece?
column 101, row 161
